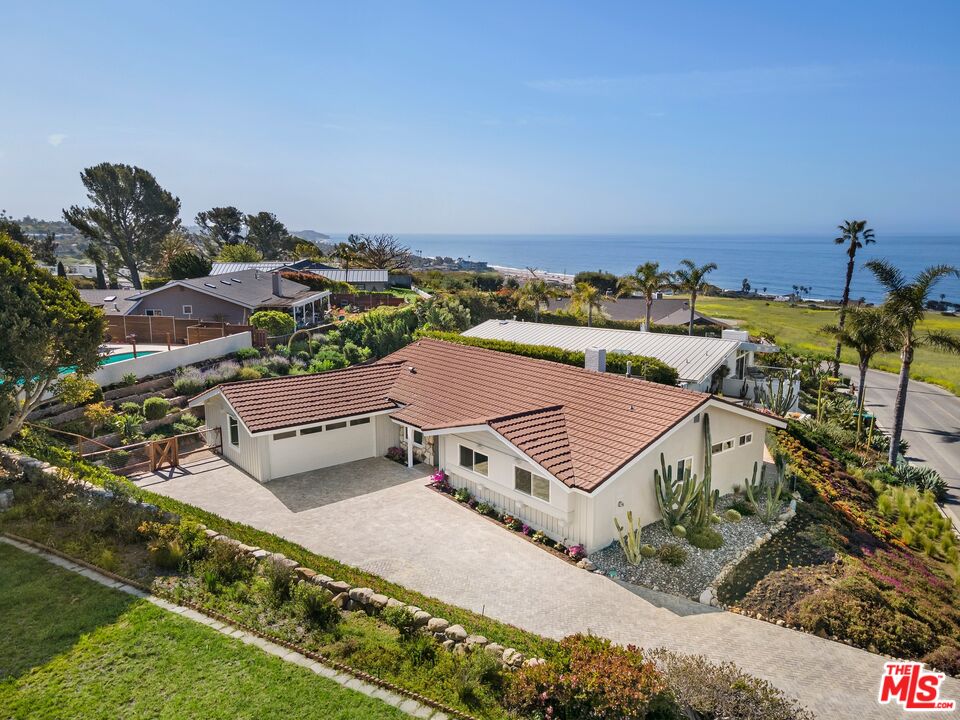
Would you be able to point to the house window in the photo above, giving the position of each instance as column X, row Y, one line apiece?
column 188, row 310
column 285, row 435
column 746, row 439
column 234, row 430
column 529, row 484
column 473, row 460
column 359, row 421
column 153, row 312
column 721, row 446
column 741, row 365
column 336, row 425
column 684, row 465
column 312, row 430
column 418, row 438
column 727, row 445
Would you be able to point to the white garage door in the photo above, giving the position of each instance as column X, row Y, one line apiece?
column 294, row 452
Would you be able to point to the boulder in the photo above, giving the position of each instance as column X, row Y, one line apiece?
column 378, row 601
column 393, row 602
column 460, row 649
column 456, row 633
column 494, row 649
column 260, row 554
column 448, row 644
column 476, row 641
column 338, row 586
column 708, row 596
column 437, row 625
column 512, row 656
column 586, row 565
column 361, row 595
column 248, row 548
column 323, row 580
column 211, row 533
column 342, row 601
column 422, row 617
column 306, row 573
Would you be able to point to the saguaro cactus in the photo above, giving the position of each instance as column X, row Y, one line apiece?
column 673, row 496
column 706, row 497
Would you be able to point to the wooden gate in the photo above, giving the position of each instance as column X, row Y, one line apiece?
column 164, row 452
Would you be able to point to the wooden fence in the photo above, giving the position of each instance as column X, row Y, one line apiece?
column 178, row 331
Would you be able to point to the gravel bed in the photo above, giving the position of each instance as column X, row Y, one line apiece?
column 701, row 566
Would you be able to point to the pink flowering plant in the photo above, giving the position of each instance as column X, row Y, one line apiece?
column 439, row 481
column 577, row 552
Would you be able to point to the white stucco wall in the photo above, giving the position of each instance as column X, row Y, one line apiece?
column 634, row 487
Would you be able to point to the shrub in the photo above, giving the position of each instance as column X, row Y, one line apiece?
column 164, row 544
column 945, row 658
column 485, row 509
column 223, row 566
column 513, row 523
column 74, row 389
column 402, row 619
column 723, row 691
column 280, row 579
column 188, row 264
column 313, row 606
column 277, row 364
column 189, row 382
column 396, row 454
column 539, row 536
column 247, row 353
column 248, row 373
column 130, row 408
column 478, row 671
column 155, row 408
column 732, row 515
column 588, row 678
column 679, row 531
column 462, row 495
column 705, row 538
column 743, row 507
column 189, row 420
column 97, row 415
column 672, row 554
column 326, row 359
column 128, row 379
column 273, row 321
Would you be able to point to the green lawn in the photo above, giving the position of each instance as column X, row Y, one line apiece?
column 798, row 328
column 74, row 649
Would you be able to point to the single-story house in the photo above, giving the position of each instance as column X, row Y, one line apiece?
column 360, row 278
column 564, row 449
column 112, row 302
column 233, row 298
column 663, row 311
column 727, row 364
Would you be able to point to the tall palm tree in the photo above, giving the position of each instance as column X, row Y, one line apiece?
column 651, row 280
column 906, row 304
column 867, row 332
column 537, row 293
column 854, row 234
column 587, row 298
column 690, row 279
column 626, row 286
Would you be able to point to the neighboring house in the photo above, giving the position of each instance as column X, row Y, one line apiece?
column 564, row 449
column 233, row 298
column 727, row 364
column 664, row 311
column 88, row 271
column 360, row 278
column 112, row 302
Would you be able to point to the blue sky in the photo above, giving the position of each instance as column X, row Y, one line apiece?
column 496, row 117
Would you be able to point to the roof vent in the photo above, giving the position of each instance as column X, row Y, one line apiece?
column 595, row 359
column 412, row 369
column 110, row 298
column 211, row 285
column 235, row 280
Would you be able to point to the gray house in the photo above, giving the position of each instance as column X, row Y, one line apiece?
column 361, row 278
column 233, row 298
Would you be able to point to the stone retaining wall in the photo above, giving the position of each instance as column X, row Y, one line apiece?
column 452, row 637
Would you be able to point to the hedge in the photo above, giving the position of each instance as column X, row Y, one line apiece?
column 643, row 367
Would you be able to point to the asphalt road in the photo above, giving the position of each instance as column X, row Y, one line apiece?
column 931, row 424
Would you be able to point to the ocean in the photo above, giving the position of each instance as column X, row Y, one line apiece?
column 774, row 263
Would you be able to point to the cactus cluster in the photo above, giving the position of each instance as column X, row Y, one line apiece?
column 629, row 539
column 706, row 499
column 752, row 486
column 673, row 496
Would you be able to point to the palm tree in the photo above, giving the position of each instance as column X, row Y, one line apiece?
column 854, row 234
column 690, row 278
column 537, row 293
column 867, row 332
column 587, row 297
column 626, row 286
column 650, row 280
column 906, row 305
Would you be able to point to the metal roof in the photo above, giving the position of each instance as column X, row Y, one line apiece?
column 235, row 267
column 360, row 275
column 694, row 358
column 354, row 275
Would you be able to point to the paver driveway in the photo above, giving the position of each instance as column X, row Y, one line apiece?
column 408, row 534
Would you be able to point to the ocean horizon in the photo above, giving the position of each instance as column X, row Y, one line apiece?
column 771, row 263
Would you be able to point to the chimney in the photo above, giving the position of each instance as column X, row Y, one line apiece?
column 595, row 359
column 277, row 290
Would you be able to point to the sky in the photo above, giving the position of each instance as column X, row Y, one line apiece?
column 495, row 117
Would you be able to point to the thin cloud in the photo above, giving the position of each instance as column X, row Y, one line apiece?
column 703, row 83
column 56, row 139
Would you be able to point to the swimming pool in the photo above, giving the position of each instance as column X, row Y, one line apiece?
column 120, row 357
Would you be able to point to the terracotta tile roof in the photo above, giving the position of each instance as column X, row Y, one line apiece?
column 303, row 399
column 579, row 425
